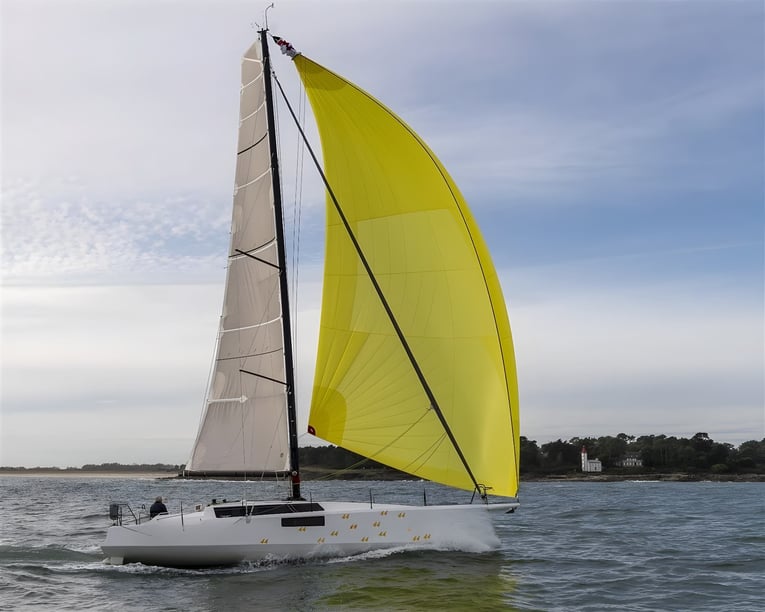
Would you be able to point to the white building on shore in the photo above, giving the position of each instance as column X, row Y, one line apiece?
column 590, row 465
column 630, row 460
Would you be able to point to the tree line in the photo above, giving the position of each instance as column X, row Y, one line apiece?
column 336, row 458
column 697, row 454
column 100, row 467
column 658, row 453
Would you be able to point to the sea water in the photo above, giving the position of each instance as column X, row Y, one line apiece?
column 571, row 546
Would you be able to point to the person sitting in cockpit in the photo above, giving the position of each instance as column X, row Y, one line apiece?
column 157, row 508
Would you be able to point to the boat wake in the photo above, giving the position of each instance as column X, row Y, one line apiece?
column 467, row 536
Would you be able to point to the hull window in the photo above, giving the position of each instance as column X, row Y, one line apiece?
column 303, row 521
column 259, row 510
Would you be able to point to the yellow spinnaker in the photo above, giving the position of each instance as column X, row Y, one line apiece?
column 430, row 260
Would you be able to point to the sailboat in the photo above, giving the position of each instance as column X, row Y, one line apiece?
column 415, row 366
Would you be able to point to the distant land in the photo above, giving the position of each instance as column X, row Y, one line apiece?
column 662, row 458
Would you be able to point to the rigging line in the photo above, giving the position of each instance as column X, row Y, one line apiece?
column 299, row 160
column 276, row 186
column 252, row 182
column 293, row 265
column 241, row 413
column 381, row 296
column 258, row 328
column 293, row 290
column 216, row 359
column 208, row 384
column 293, row 303
column 263, row 261
column 426, row 454
column 274, row 443
column 373, row 456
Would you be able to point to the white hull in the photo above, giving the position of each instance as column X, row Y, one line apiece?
column 206, row 538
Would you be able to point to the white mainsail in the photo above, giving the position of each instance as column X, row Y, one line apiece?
column 244, row 427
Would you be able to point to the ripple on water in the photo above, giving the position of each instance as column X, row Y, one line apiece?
column 571, row 546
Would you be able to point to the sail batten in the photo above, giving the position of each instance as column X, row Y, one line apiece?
column 426, row 254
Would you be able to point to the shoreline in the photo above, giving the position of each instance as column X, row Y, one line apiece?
column 312, row 474
column 647, row 477
column 32, row 473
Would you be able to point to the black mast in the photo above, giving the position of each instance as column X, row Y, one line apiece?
column 279, row 222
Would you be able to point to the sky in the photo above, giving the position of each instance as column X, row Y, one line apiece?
column 612, row 154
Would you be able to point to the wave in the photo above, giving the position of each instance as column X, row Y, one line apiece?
column 370, row 554
column 42, row 554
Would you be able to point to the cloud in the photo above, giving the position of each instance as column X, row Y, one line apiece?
column 650, row 357
column 93, row 370
column 90, row 372
column 125, row 368
column 53, row 232
column 612, row 154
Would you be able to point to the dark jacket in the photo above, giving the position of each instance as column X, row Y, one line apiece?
column 157, row 508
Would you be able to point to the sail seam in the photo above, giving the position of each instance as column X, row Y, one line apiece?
column 252, row 114
column 376, row 454
column 255, row 180
column 256, row 325
column 279, row 350
column 258, row 259
column 257, row 78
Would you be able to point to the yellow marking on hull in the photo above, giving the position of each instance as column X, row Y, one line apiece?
column 320, row 541
column 264, row 541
